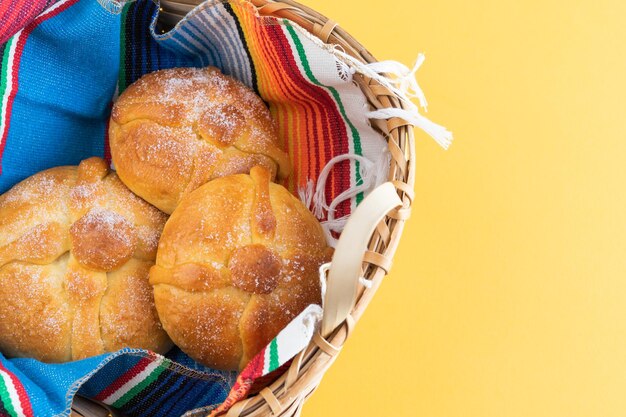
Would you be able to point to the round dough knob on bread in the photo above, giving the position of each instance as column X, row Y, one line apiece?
column 176, row 129
column 237, row 261
column 76, row 247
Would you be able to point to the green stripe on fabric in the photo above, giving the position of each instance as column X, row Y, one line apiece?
column 274, row 364
column 134, row 391
column 355, row 133
column 122, row 77
column 6, row 398
column 4, row 70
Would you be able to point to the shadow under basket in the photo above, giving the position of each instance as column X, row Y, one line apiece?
column 367, row 244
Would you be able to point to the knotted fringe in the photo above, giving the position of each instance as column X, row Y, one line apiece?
column 441, row 135
column 314, row 197
column 401, row 81
column 404, row 78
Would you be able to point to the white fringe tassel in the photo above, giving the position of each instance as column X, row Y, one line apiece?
column 306, row 194
column 440, row 134
column 401, row 81
column 404, row 77
column 372, row 174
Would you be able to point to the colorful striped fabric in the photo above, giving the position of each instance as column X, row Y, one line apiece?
column 59, row 74
column 48, row 118
column 276, row 355
column 137, row 382
column 14, row 400
column 11, row 59
column 147, row 384
column 17, row 14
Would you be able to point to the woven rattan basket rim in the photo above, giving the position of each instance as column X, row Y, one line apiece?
column 287, row 394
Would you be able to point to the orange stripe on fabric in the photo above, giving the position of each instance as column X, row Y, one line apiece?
column 304, row 111
column 268, row 84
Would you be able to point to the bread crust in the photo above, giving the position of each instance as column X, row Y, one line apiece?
column 176, row 129
column 237, row 261
column 76, row 247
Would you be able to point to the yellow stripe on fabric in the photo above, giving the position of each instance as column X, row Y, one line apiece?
column 271, row 85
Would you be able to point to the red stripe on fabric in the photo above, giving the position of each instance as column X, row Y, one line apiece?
column 16, row 65
column 312, row 95
column 15, row 15
column 8, row 13
column 107, row 147
column 238, row 392
column 126, row 376
column 21, row 392
column 294, row 102
column 333, row 142
column 254, row 368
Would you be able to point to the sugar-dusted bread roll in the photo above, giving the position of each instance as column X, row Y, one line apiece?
column 237, row 261
column 76, row 247
column 173, row 130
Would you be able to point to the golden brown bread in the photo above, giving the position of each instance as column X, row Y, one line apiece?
column 238, row 260
column 76, row 247
column 175, row 129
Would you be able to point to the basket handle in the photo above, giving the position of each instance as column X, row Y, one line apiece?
column 346, row 265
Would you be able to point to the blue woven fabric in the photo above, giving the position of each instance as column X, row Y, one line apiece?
column 179, row 388
column 61, row 92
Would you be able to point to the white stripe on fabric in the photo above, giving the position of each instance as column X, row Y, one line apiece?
column 225, row 59
column 232, row 23
column 9, row 82
column 266, row 359
column 15, row 399
column 232, row 37
column 207, row 34
column 295, row 336
column 217, row 38
column 182, row 44
column 52, row 8
column 133, row 382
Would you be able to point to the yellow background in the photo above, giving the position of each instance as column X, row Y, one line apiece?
column 508, row 293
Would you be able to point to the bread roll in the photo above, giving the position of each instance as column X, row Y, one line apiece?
column 237, row 261
column 175, row 129
column 76, row 247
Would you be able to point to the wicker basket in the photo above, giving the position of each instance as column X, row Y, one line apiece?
column 287, row 394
